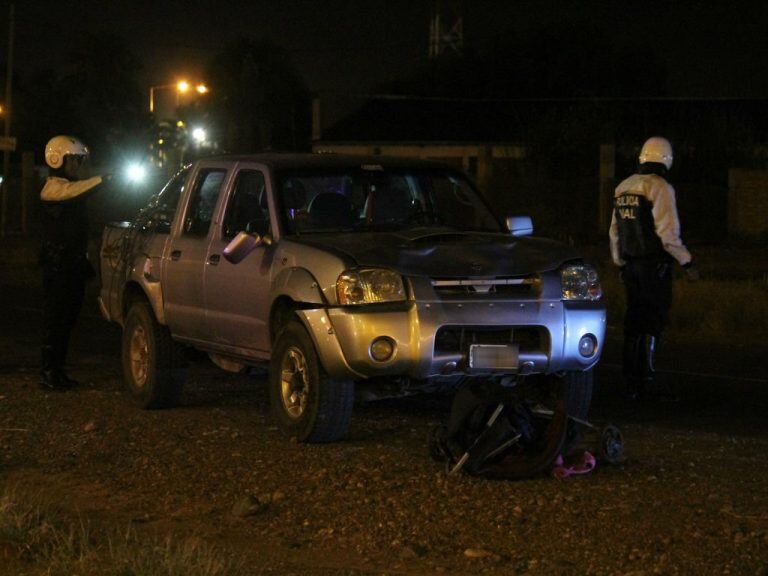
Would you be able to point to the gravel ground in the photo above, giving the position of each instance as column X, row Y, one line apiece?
column 692, row 497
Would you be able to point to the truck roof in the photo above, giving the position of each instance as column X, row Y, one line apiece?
column 278, row 160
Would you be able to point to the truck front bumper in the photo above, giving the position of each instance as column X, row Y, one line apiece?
column 432, row 339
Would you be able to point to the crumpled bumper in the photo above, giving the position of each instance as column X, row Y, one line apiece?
column 434, row 339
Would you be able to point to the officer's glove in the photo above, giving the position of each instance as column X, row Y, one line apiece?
column 691, row 272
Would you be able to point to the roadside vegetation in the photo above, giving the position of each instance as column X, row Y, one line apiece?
column 36, row 539
column 722, row 310
column 728, row 304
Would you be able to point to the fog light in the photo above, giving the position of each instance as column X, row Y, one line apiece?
column 587, row 345
column 382, row 349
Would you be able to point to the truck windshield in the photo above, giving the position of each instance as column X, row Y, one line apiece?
column 373, row 198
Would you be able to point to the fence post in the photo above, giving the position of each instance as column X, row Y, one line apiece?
column 317, row 119
column 607, row 177
column 28, row 182
column 484, row 167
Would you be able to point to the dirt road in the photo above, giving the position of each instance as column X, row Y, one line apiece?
column 692, row 497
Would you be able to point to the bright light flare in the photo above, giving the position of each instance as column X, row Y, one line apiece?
column 182, row 86
column 135, row 173
column 201, row 89
column 199, row 135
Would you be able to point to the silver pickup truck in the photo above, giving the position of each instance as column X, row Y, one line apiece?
column 345, row 273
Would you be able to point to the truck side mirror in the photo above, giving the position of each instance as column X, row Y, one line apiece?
column 240, row 246
column 158, row 221
column 520, row 225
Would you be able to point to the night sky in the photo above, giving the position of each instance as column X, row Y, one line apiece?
column 709, row 48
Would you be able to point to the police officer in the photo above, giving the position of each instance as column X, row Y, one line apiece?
column 645, row 243
column 63, row 255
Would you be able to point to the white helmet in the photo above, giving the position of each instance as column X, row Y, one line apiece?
column 657, row 149
column 60, row 146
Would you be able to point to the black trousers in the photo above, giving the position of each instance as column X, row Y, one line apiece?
column 648, row 285
column 63, row 293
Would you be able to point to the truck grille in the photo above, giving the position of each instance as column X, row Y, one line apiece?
column 460, row 288
column 457, row 339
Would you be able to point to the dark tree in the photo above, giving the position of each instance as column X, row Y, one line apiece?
column 99, row 96
column 258, row 100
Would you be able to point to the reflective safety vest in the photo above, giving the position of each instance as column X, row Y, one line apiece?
column 645, row 223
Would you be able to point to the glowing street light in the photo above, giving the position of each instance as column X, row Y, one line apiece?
column 182, row 87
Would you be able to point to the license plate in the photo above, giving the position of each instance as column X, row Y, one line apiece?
column 493, row 356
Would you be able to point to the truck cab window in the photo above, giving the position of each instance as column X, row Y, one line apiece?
column 247, row 210
column 168, row 199
column 203, row 202
column 163, row 207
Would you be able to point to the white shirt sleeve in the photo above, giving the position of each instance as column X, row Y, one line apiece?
column 613, row 234
column 667, row 223
column 59, row 189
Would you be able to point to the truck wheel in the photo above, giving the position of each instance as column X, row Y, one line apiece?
column 152, row 363
column 306, row 403
column 578, row 399
column 579, row 393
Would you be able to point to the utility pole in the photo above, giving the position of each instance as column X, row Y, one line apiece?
column 7, row 130
column 446, row 29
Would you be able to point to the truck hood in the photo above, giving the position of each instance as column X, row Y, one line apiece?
column 438, row 253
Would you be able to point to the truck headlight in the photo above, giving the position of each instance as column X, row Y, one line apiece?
column 136, row 173
column 369, row 286
column 580, row 282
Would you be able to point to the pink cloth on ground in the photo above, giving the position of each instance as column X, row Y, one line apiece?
column 576, row 464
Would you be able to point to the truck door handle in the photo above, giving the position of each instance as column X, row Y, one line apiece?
column 213, row 259
column 175, row 255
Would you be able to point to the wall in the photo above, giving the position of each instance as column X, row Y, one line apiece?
column 747, row 203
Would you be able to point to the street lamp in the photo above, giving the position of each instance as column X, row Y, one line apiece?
column 182, row 87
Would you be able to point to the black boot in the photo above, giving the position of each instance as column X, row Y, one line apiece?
column 52, row 378
column 53, row 381
column 657, row 392
column 70, row 382
column 646, row 358
column 61, row 360
column 633, row 359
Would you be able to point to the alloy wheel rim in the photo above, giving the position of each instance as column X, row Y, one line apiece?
column 139, row 353
column 294, row 382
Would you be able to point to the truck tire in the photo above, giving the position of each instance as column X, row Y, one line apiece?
column 579, row 393
column 306, row 403
column 578, row 399
column 152, row 362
